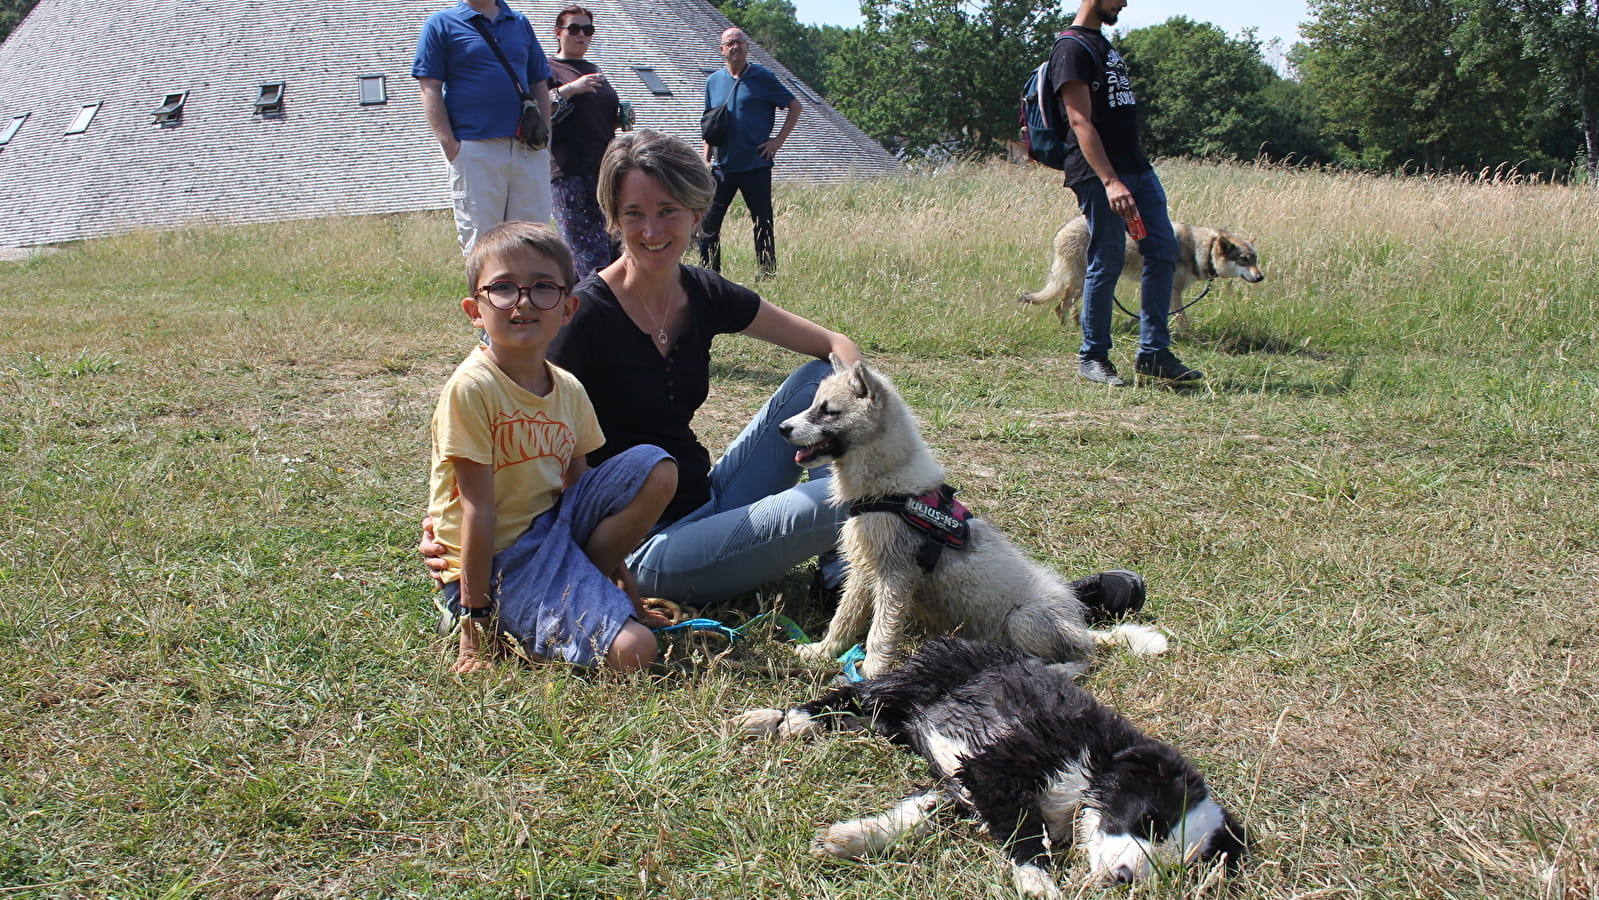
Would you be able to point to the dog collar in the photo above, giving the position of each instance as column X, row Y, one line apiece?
column 940, row 518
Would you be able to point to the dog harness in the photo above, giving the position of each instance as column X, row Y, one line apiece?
column 936, row 514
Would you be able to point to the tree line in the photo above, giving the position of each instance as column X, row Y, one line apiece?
column 11, row 12
column 1383, row 85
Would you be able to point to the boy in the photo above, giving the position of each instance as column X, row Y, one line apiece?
column 524, row 523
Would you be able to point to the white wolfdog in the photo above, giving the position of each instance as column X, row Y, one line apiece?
column 986, row 590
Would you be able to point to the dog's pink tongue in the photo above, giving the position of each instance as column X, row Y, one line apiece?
column 801, row 455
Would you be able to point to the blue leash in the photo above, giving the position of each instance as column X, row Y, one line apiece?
column 783, row 623
column 792, row 631
column 852, row 656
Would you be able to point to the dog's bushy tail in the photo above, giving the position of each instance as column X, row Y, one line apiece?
column 1141, row 640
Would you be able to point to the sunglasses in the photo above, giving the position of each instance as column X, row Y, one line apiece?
column 578, row 29
column 507, row 294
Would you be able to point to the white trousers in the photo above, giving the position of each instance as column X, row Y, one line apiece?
column 497, row 181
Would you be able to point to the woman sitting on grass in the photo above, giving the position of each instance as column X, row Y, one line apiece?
column 640, row 343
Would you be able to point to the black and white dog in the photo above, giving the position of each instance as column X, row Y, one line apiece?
column 1038, row 762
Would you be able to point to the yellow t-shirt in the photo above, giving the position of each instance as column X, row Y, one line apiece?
column 485, row 417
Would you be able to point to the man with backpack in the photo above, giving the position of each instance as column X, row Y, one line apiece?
column 1118, row 192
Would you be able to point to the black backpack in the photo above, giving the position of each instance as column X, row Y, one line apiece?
column 1043, row 119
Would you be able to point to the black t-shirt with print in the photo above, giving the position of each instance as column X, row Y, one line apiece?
column 1115, row 112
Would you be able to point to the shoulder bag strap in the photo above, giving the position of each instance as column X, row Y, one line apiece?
column 729, row 98
column 494, row 45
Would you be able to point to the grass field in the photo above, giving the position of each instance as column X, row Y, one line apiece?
column 1373, row 534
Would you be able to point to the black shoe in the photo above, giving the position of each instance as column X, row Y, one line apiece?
column 1109, row 596
column 1100, row 371
column 1165, row 365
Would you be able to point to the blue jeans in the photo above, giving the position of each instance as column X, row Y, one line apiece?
column 759, row 522
column 1107, row 251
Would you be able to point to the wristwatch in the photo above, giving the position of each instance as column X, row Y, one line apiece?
column 476, row 612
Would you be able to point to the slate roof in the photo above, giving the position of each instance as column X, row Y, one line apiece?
column 327, row 154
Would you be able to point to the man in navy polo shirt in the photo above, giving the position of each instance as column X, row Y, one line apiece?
column 744, row 163
column 473, row 109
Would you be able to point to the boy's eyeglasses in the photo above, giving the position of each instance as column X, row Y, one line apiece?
column 579, row 29
column 507, row 294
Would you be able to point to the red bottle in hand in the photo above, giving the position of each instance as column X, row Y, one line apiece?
column 1135, row 227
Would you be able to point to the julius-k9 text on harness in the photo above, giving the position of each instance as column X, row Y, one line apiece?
column 937, row 515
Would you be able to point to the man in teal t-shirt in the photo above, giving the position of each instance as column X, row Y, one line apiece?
column 744, row 163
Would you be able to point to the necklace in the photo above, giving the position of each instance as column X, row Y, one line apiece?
column 660, row 330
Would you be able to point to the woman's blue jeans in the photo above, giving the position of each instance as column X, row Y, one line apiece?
column 761, row 520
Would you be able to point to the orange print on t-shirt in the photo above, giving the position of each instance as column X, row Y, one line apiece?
column 520, row 438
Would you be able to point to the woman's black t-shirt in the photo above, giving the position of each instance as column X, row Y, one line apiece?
column 640, row 396
column 578, row 142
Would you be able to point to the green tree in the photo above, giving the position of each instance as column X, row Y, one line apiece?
column 1290, row 129
column 936, row 76
column 11, row 13
column 1417, row 83
column 1562, row 37
column 1200, row 93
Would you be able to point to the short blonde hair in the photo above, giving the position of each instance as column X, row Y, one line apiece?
column 511, row 237
column 669, row 160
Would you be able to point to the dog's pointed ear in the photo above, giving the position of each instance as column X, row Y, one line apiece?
column 838, row 364
column 860, row 378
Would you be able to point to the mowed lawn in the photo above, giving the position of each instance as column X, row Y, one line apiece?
column 1373, row 534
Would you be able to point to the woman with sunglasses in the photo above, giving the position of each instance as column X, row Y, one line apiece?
column 587, row 114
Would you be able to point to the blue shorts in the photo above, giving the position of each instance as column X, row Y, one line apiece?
column 551, row 597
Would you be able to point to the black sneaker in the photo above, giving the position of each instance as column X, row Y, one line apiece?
column 1100, row 371
column 1165, row 365
column 1108, row 596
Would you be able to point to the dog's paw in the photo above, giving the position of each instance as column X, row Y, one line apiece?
column 1031, row 881
column 1144, row 640
column 1027, row 299
column 816, row 651
column 786, row 723
column 1139, row 640
column 843, row 841
column 756, row 723
column 879, row 662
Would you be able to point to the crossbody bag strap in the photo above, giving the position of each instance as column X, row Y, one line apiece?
column 729, row 98
column 483, row 29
